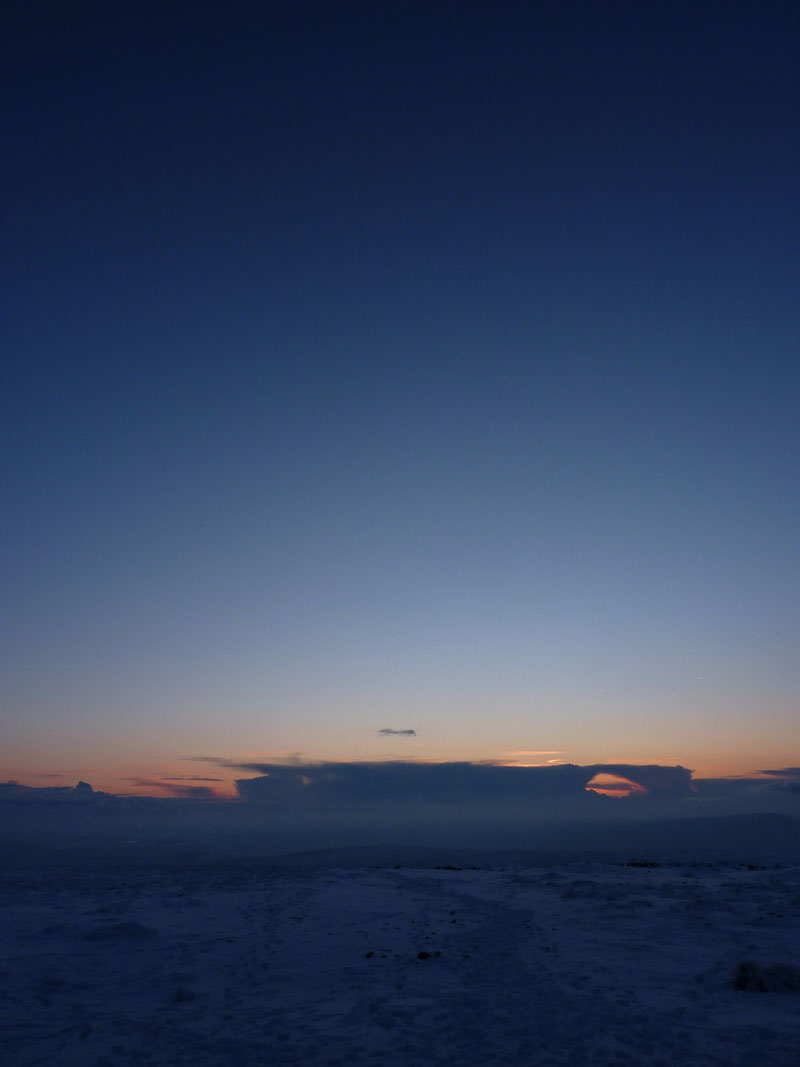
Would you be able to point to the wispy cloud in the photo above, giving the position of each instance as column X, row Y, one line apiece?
column 536, row 752
column 294, row 759
column 784, row 781
column 190, row 778
column 387, row 732
column 168, row 786
column 531, row 757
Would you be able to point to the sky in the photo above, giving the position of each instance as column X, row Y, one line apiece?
column 399, row 367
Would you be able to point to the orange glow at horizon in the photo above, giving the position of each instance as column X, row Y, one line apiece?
column 143, row 772
column 612, row 785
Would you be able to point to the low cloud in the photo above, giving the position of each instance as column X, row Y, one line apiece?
column 190, row 778
column 770, row 790
column 536, row 752
column 387, row 732
column 295, row 759
column 49, row 795
column 785, row 781
column 290, row 807
column 167, row 786
column 551, row 790
column 652, row 778
column 560, row 792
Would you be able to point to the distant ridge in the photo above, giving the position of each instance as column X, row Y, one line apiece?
column 714, row 838
column 92, row 828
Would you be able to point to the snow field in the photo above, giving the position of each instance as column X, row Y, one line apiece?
column 580, row 963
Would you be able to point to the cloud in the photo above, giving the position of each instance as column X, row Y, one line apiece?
column 459, row 790
column 190, row 778
column 653, row 778
column 186, row 792
column 82, row 793
column 770, row 790
column 529, row 789
column 387, row 732
column 785, row 781
column 292, row 807
column 537, row 752
column 296, row 759
column 549, row 790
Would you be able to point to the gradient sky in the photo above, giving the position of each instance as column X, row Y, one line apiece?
column 400, row 365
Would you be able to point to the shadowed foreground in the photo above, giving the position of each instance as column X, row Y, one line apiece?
column 572, row 963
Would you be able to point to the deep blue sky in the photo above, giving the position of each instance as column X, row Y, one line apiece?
column 410, row 365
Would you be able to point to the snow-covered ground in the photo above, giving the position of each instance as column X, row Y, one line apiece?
column 570, row 963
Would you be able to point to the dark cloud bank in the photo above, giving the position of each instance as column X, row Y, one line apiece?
column 542, row 792
column 395, row 806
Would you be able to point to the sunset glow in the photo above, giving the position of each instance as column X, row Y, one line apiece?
column 611, row 785
column 400, row 388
